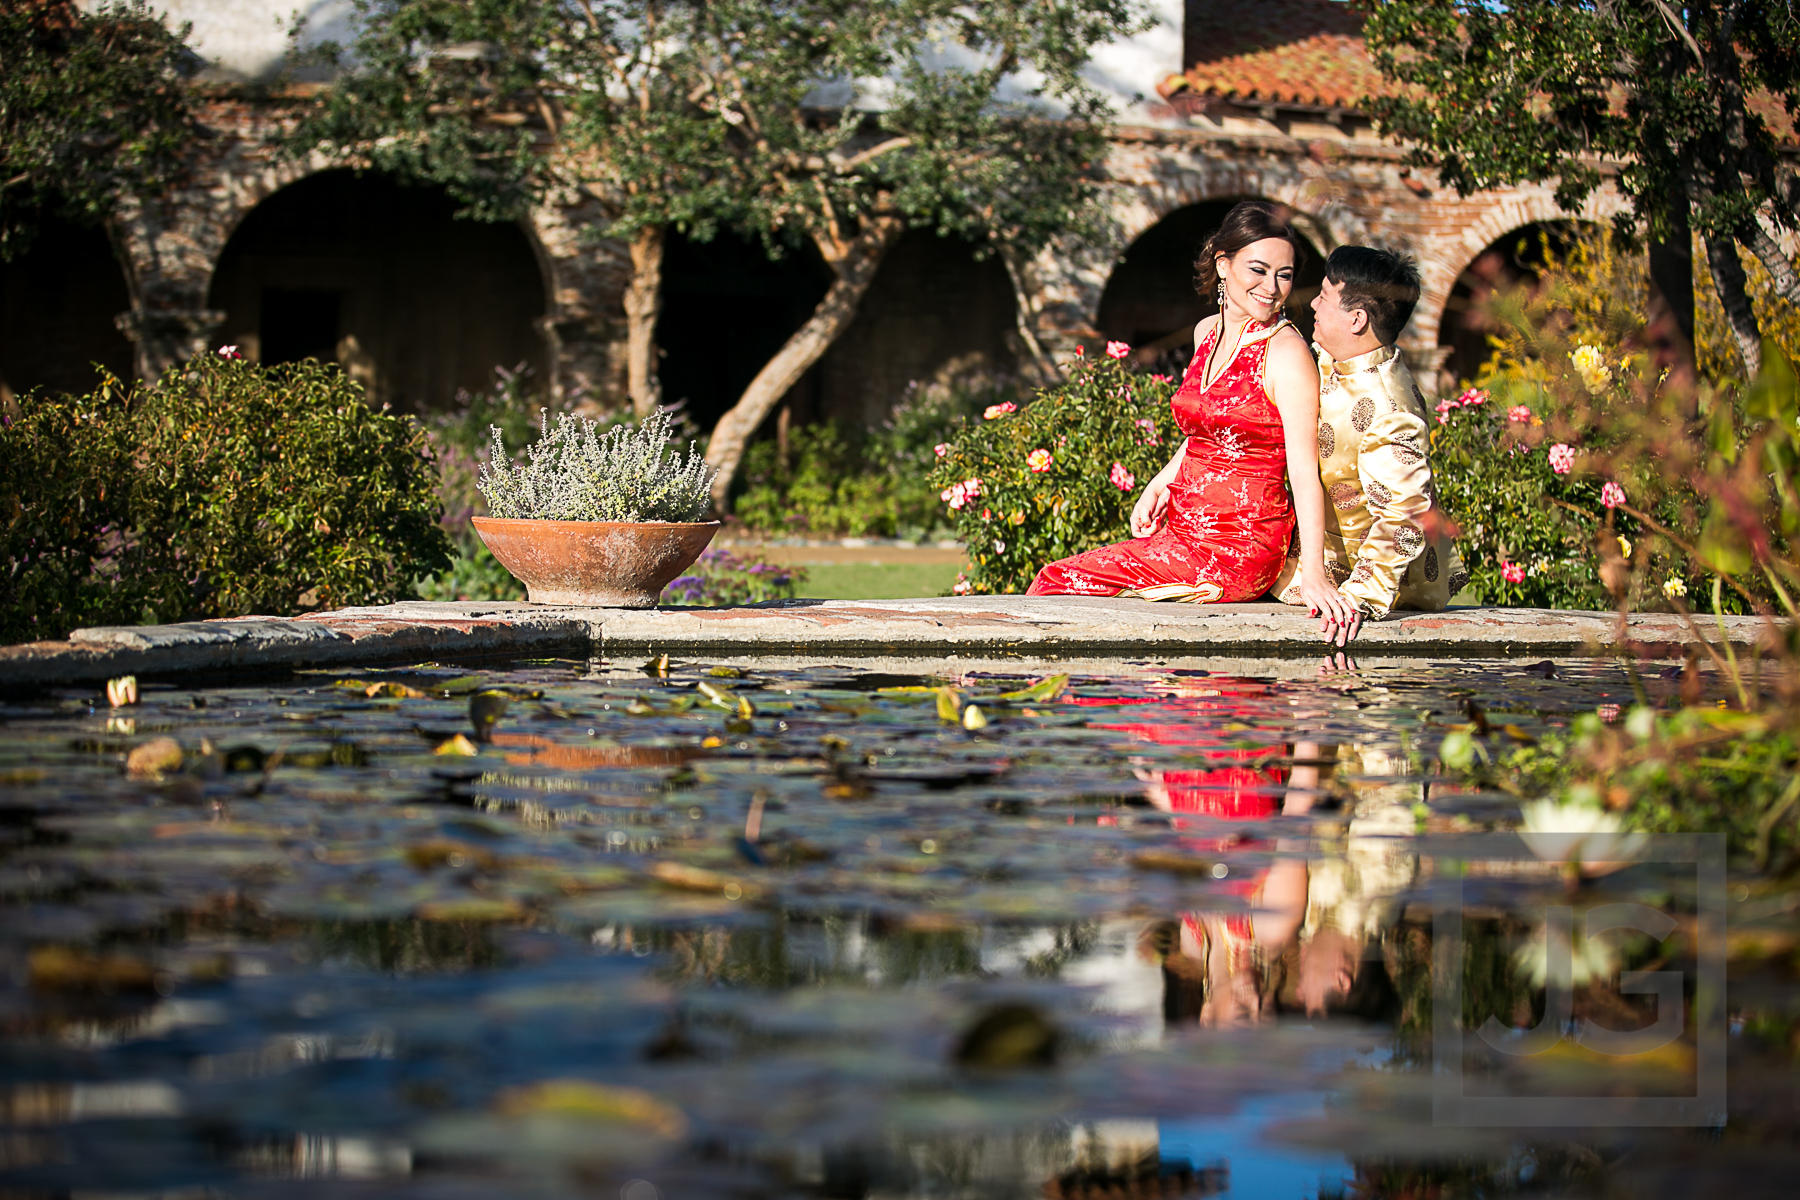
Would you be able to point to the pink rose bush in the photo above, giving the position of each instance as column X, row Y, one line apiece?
column 229, row 352
column 1562, row 458
column 1519, row 414
column 941, row 449
column 994, row 412
column 1469, row 398
column 959, row 494
column 1612, row 495
column 1512, row 572
column 1059, row 474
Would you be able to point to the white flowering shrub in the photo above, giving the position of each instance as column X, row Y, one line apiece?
column 576, row 473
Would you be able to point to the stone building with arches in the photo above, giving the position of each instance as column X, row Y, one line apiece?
column 289, row 258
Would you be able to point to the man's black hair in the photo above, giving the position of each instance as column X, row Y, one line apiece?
column 1381, row 283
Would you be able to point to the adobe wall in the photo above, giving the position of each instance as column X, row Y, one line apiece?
column 1345, row 184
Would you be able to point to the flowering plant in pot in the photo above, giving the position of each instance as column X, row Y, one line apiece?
column 596, row 518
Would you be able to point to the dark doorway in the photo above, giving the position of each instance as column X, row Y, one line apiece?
column 935, row 313
column 414, row 303
column 59, row 302
column 1517, row 258
column 299, row 323
column 1150, row 299
column 728, row 306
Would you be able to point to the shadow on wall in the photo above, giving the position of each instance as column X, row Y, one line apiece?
column 382, row 278
column 1517, row 257
column 933, row 310
column 1150, row 300
column 58, row 305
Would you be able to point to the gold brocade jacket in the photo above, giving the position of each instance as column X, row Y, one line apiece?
column 1385, row 546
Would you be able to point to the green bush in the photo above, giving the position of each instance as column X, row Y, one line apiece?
column 1014, row 519
column 1570, row 359
column 836, row 481
column 222, row 489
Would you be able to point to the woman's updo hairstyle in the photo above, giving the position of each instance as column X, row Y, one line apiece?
column 1248, row 222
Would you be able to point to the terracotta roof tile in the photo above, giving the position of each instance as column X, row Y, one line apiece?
column 1279, row 51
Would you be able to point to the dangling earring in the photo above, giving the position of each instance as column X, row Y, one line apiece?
column 1221, row 297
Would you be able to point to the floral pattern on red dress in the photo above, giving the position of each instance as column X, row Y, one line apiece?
column 1230, row 517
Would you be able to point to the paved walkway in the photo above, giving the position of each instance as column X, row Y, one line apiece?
column 963, row 627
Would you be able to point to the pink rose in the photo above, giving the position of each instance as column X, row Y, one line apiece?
column 1512, row 572
column 1039, row 460
column 1562, row 458
column 1117, row 349
column 1519, row 413
column 1163, row 378
column 996, row 411
column 229, row 352
column 941, row 449
column 987, row 514
column 1080, row 352
column 1149, row 428
column 1121, row 478
column 1612, row 495
column 1472, row 396
column 963, row 586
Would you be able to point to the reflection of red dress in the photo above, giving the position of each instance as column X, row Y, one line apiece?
column 1230, row 517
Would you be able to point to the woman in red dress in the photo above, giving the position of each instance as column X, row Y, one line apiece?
column 1214, row 526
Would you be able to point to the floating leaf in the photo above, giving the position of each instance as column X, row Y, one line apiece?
column 949, row 704
column 459, row 745
column 1006, row 1037
column 1041, row 691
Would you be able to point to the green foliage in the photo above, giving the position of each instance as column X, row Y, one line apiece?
column 575, row 472
column 1493, row 95
column 93, row 108
column 1496, row 477
column 222, row 489
column 1016, row 519
column 837, row 480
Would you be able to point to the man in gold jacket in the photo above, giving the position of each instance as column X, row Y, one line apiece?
column 1386, row 543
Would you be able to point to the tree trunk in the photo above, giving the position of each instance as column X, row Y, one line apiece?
column 855, row 270
column 1672, row 282
column 643, row 305
column 1728, row 281
column 1780, row 268
column 1042, row 365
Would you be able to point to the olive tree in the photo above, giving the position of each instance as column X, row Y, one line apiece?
column 838, row 123
column 1681, row 94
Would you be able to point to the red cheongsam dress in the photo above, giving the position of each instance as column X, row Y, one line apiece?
column 1229, row 517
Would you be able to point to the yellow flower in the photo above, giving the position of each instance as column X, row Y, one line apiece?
column 1590, row 364
column 1674, row 586
column 1625, row 547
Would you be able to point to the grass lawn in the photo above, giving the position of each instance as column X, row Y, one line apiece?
column 876, row 580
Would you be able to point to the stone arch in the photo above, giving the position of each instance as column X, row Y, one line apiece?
column 1149, row 300
column 1513, row 256
column 380, row 276
column 1062, row 289
column 1444, row 260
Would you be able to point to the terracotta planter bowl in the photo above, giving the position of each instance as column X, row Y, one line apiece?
column 607, row 564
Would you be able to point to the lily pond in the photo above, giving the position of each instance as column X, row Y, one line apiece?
column 789, row 928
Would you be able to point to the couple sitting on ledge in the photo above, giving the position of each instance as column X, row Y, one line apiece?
column 1218, row 524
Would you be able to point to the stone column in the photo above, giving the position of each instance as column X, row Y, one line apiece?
column 162, row 337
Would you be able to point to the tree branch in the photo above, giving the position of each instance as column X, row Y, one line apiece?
column 845, row 166
column 1679, row 30
column 1780, row 269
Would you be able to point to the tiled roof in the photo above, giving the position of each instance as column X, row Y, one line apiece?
column 1306, row 52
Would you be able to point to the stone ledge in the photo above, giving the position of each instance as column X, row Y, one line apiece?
column 1038, row 627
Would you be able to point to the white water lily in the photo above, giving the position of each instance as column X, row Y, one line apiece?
column 1589, row 958
column 1574, row 832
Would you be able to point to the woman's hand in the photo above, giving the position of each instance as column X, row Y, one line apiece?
column 1340, row 619
column 1148, row 513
